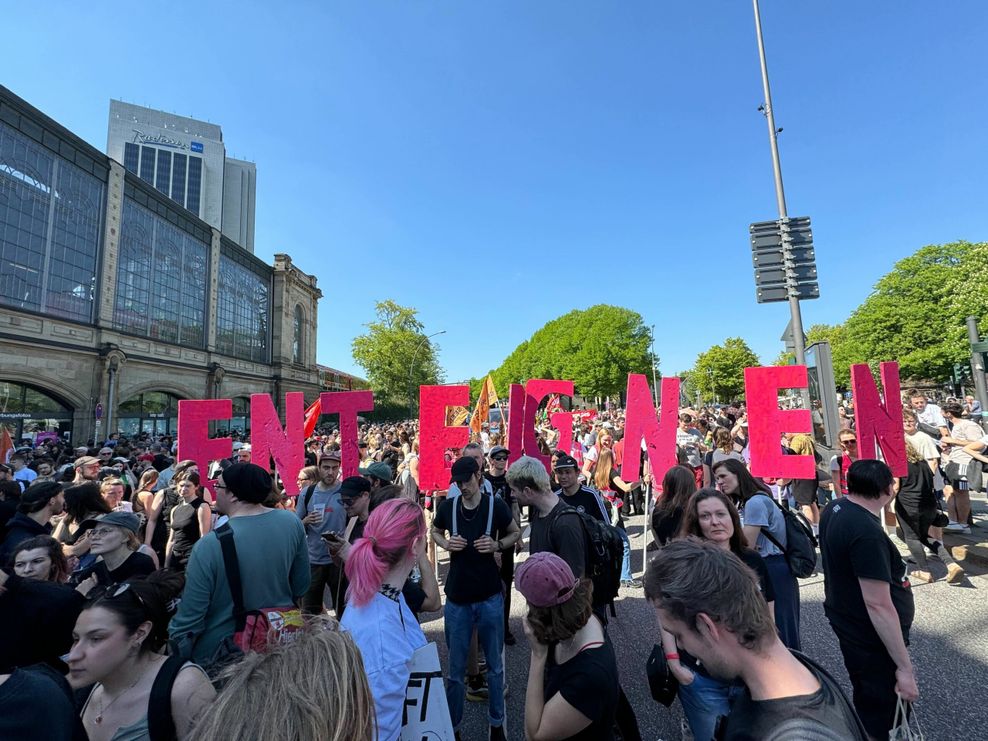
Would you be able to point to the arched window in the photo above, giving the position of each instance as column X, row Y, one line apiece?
column 32, row 412
column 297, row 330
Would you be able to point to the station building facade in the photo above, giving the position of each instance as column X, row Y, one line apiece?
column 116, row 301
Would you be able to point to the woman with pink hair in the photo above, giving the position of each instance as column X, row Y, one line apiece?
column 377, row 616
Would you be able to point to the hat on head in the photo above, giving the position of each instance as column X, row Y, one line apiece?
column 248, row 482
column 330, row 455
column 244, row 448
column 120, row 459
column 86, row 460
column 237, row 446
column 40, row 492
column 565, row 461
column 354, row 486
column 127, row 520
column 498, row 449
column 106, row 449
column 463, row 469
column 377, row 470
column 545, row 580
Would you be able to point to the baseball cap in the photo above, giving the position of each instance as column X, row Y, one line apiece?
column 498, row 450
column 126, row 520
column 86, row 460
column 463, row 469
column 237, row 446
column 377, row 470
column 565, row 461
column 330, row 455
column 545, row 580
column 106, row 451
column 353, row 486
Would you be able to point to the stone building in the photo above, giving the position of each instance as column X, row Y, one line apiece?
column 116, row 302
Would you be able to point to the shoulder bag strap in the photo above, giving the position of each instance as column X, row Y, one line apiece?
column 490, row 516
column 232, row 567
column 308, row 497
column 161, row 725
column 764, row 530
column 454, row 501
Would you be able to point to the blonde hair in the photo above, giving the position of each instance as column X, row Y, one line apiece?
column 912, row 454
column 313, row 689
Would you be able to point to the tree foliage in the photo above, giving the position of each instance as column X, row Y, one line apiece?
column 719, row 371
column 595, row 348
column 397, row 355
column 916, row 313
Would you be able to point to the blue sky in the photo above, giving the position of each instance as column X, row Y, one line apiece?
column 497, row 164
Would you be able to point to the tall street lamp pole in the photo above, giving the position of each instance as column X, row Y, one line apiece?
column 780, row 194
column 411, row 371
column 655, row 386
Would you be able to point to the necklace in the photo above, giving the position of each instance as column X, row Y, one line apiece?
column 464, row 510
column 102, row 710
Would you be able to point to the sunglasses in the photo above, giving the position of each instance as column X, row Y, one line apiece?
column 499, row 458
column 115, row 590
column 849, row 442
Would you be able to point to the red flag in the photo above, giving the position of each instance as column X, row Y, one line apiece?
column 312, row 415
column 6, row 445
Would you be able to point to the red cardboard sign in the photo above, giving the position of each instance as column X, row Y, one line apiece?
column 269, row 440
column 194, row 416
column 766, row 422
column 563, row 421
column 516, row 421
column 348, row 404
column 535, row 391
column 641, row 423
column 878, row 422
column 435, row 437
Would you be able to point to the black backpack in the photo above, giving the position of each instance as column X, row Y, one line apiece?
column 800, row 550
column 605, row 552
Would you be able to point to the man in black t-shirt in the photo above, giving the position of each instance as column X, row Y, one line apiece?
column 499, row 485
column 576, row 495
column 478, row 526
column 868, row 600
column 710, row 601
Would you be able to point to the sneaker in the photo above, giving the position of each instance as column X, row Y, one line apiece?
column 954, row 573
column 509, row 638
column 956, row 527
column 923, row 576
column 631, row 583
column 477, row 689
column 497, row 734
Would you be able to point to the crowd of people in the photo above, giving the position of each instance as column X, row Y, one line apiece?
column 138, row 602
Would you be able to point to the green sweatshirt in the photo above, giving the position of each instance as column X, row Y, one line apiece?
column 274, row 569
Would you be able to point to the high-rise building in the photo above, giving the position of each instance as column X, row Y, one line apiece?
column 186, row 160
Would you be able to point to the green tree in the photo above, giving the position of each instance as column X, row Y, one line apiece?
column 719, row 371
column 596, row 348
column 397, row 356
column 916, row 313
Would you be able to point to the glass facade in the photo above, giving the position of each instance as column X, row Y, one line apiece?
column 161, row 280
column 178, row 178
column 131, row 154
column 154, row 412
column 243, row 309
column 51, row 213
column 239, row 421
column 297, row 335
column 29, row 412
column 163, row 178
column 194, row 190
column 147, row 164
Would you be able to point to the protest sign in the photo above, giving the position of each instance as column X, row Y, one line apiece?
column 426, row 714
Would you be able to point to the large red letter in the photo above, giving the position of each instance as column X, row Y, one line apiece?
column 878, row 423
column 435, row 437
column 516, row 421
column 194, row 416
column 563, row 421
column 535, row 391
column 347, row 404
column 269, row 440
column 766, row 422
column 642, row 423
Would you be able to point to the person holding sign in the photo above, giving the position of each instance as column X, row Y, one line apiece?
column 377, row 616
column 573, row 676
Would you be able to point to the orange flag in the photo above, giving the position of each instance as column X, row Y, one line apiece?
column 488, row 397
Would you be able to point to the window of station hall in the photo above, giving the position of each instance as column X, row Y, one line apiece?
column 31, row 413
column 153, row 412
column 239, row 421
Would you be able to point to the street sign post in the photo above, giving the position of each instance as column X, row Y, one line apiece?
column 784, row 260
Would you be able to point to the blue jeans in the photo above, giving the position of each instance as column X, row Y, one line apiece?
column 786, row 599
column 704, row 701
column 626, row 561
column 461, row 619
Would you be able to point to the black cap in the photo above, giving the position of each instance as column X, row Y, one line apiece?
column 463, row 469
column 354, row 486
column 565, row 461
column 40, row 492
column 248, row 482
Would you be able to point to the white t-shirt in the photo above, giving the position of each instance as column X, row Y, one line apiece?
column 924, row 445
column 387, row 634
column 932, row 415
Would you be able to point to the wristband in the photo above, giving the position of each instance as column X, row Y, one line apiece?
column 672, row 657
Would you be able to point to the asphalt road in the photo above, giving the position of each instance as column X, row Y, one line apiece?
column 949, row 649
